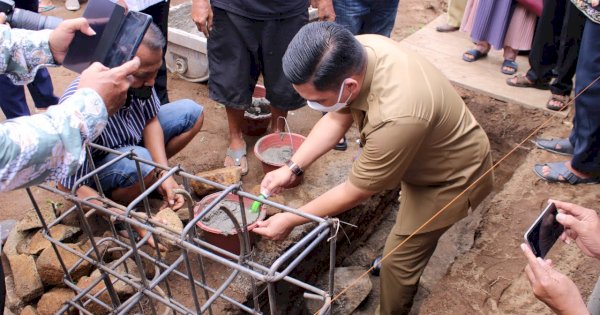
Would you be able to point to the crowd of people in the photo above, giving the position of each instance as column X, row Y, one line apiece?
column 345, row 66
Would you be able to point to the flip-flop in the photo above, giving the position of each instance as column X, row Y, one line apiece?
column 236, row 156
column 562, row 100
column 342, row 145
column 476, row 54
column 511, row 65
column 46, row 8
column 558, row 169
column 524, row 82
column 566, row 148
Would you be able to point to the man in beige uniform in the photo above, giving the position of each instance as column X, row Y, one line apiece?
column 456, row 9
column 416, row 134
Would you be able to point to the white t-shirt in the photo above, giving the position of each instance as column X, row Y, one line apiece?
column 139, row 5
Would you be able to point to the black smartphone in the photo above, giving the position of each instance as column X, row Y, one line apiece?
column 118, row 36
column 126, row 44
column 544, row 232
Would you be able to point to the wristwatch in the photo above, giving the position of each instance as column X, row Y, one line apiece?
column 294, row 168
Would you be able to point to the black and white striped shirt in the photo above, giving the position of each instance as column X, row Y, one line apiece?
column 124, row 128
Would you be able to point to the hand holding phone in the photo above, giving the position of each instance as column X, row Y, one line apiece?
column 544, row 231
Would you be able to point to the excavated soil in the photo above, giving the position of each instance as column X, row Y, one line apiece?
column 487, row 275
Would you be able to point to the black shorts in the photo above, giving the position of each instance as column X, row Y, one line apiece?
column 240, row 49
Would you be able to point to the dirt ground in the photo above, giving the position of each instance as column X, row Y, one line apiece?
column 487, row 276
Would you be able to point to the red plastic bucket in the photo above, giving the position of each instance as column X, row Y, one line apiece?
column 278, row 140
column 254, row 125
column 228, row 241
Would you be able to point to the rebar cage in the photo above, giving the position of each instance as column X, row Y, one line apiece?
column 154, row 292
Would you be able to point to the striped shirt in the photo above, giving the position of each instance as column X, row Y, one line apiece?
column 124, row 128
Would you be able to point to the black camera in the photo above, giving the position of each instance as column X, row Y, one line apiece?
column 18, row 18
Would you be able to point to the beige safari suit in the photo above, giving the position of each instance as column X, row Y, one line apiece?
column 417, row 134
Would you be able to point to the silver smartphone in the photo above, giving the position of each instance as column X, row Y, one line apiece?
column 544, row 232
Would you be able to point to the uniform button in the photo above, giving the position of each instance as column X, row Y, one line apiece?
column 371, row 97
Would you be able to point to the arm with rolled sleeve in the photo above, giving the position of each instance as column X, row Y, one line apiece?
column 49, row 146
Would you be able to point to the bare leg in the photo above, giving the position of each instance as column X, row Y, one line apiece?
column 179, row 142
column 235, row 119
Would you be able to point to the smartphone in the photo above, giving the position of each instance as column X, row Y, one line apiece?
column 544, row 232
column 126, row 44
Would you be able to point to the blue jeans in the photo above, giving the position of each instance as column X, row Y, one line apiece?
column 175, row 118
column 367, row 17
column 585, row 135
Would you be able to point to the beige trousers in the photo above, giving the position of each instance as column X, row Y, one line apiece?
column 456, row 8
column 401, row 271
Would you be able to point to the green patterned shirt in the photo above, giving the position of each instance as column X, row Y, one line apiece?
column 47, row 146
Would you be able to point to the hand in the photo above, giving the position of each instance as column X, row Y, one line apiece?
column 552, row 287
column 326, row 11
column 110, row 84
column 202, row 15
column 171, row 199
column 2, row 18
column 274, row 181
column 582, row 225
column 275, row 228
column 61, row 37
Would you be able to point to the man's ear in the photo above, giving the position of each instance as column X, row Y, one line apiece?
column 352, row 85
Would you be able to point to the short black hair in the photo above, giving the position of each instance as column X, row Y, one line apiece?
column 154, row 38
column 324, row 53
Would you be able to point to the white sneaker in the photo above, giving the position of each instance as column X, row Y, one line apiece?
column 72, row 5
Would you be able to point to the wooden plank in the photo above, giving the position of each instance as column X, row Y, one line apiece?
column 483, row 76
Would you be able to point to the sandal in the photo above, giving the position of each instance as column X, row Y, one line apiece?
column 558, row 146
column 46, row 8
column 558, row 102
column 511, row 65
column 524, row 82
column 559, row 173
column 475, row 54
column 237, row 156
column 342, row 145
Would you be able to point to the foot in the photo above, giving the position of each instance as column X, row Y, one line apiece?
column 509, row 67
column 524, row 81
column 559, row 146
column 558, row 102
column 72, row 5
column 446, row 28
column 562, row 172
column 473, row 55
column 236, row 156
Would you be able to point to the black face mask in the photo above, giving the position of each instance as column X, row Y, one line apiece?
column 144, row 92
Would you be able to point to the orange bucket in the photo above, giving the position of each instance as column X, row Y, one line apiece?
column 274, row 142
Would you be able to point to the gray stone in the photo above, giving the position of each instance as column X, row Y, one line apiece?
column 32, row 221
column 13, row 302
column 29, row 286
column 53, row 300
column 38, row 242
column 50, row 269
column 345, row 277
column 15, row 237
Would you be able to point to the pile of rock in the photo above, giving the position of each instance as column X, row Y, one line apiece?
column 35, row 283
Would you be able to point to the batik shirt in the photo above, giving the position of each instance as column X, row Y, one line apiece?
column 46, row 146
column 590, row 8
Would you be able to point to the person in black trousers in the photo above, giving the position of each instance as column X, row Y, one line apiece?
column 555, row 47
column 13, row 102
column 160, row 17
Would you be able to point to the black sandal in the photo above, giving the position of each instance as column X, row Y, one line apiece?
column 341, row 146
